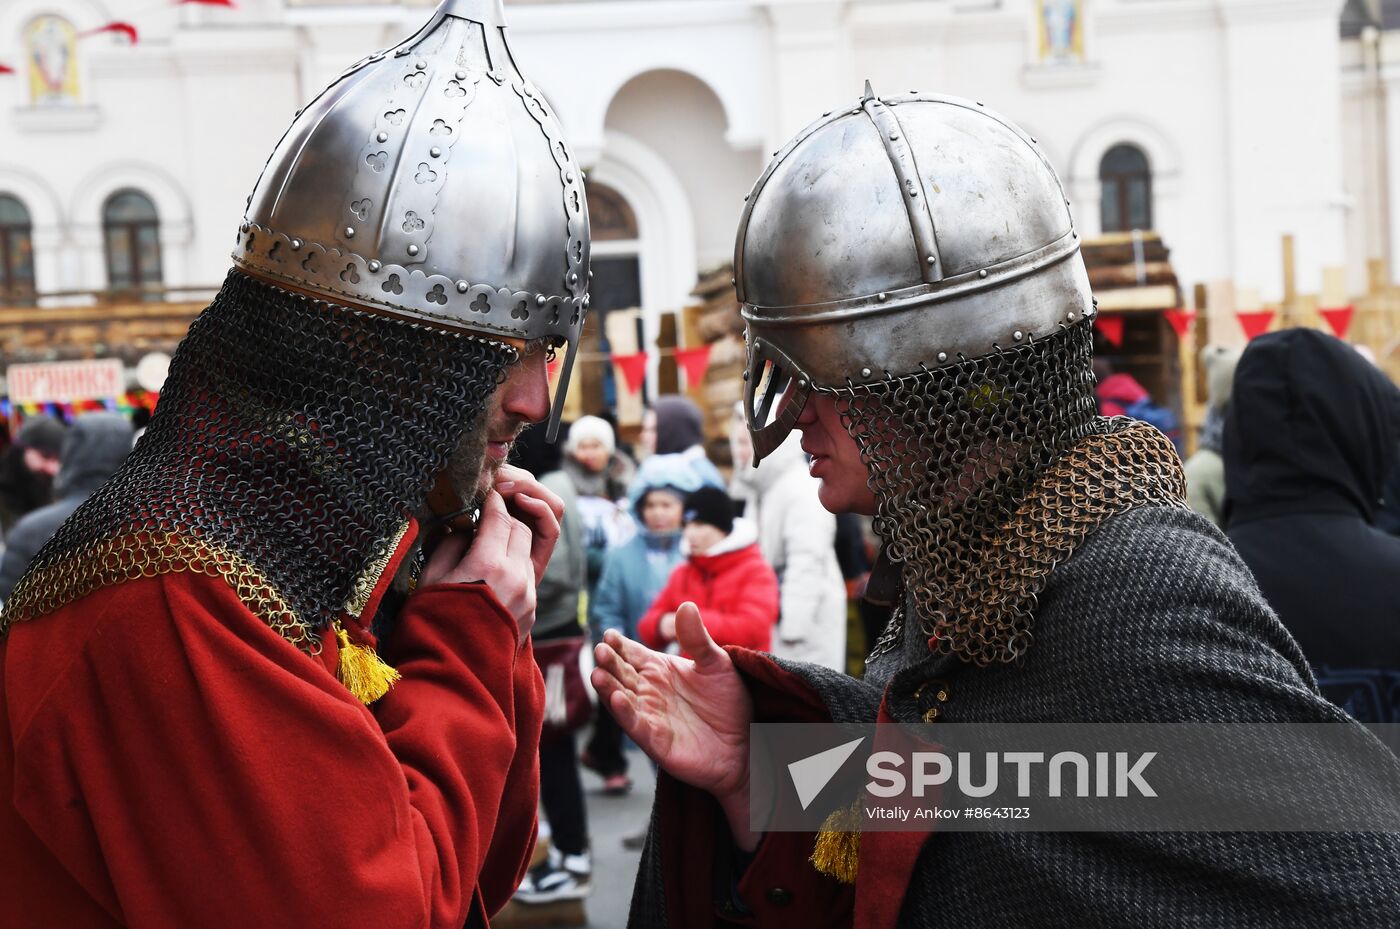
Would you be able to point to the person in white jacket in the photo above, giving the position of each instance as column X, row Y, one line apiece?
column 797, row 537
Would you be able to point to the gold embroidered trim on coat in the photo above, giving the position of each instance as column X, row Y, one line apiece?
column 129, row 557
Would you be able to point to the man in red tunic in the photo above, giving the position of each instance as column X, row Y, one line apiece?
column 274, row 673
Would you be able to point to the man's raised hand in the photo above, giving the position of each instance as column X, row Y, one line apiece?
column 537, row 506
column 500, row 555
column 691, row 716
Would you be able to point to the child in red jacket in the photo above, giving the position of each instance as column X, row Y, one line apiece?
column 723, row 574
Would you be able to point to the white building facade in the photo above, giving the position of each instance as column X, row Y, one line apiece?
column 1234, row 122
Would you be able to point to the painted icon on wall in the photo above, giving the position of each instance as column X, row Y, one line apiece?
column 1061, row 27
column 51, row 51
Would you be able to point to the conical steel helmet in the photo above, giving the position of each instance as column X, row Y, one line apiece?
column 899, row 235
column 431, row 181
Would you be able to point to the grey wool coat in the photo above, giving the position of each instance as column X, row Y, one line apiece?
column 1153, row 619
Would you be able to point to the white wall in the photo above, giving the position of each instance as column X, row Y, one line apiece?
column 1238, row 104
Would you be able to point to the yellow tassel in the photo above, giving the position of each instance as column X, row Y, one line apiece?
column 363, row 672
column 837, row 852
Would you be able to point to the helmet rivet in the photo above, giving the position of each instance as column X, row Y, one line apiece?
column 1071, row 317
column 746, row 375
column 864, row 372
column 802, row 382
column 894, row 136
column 573, row 277
column 982, row 272
column 1033, row 139
column 1075, row 234
column 586, row 299
column 882, row 298
column 461, row 75
column 296, row 244
column 826, row 114
column 733, row 282
column 463, row 287
column 746, row 197
column 942, row 356
column 435, row 152
column 541, row 299
column 412, row 250
column 374, row 267
column 381, row 136
column 244, row 227
column 420, row 64
column 349, row 232
column 913, row 91
column 1018, row 335
column 979, row 102
column 933, row 259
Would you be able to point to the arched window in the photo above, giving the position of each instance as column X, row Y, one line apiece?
column 617, row 282
column 132, row 231
column 617, row 276
column 16, row 250
column 1126, row 181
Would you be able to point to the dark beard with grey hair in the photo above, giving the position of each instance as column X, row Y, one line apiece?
column 463, row 469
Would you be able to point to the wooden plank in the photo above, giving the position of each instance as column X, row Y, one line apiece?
column 1130, row 275
column 1288, row 311
column 1334, row 286
column 1137, row 299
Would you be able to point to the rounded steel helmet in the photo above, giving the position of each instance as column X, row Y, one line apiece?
column 903, row 234
column 431, row 182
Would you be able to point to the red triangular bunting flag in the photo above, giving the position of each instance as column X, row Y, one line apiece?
column 1112, row 329
column 1256, row 323
column 6, row 69
column 694, row 362
column 633, row 368
column 1180, row 320
column 1339, row 318
column 126, row 29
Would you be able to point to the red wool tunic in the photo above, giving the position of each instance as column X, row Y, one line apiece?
column 168, row 760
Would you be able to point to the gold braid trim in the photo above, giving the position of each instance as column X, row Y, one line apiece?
column 50, row 587
column 365, row 584
column 988, row 613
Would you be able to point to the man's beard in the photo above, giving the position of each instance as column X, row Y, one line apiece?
column 469, row 479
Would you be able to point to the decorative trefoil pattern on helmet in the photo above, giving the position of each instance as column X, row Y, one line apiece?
column 443, row 214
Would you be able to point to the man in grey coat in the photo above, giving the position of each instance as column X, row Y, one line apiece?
column 918, row 309
column 93, row 448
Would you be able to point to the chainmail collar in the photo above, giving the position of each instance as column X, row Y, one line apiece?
column 989, row 473
column 293, row 440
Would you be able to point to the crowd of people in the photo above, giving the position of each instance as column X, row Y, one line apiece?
column 645, row 530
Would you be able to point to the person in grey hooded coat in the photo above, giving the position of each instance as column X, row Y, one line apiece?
column 93, row 448
column 798, row 538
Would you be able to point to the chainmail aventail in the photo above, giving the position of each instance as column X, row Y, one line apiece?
column 990, row 472
column 292, row 441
